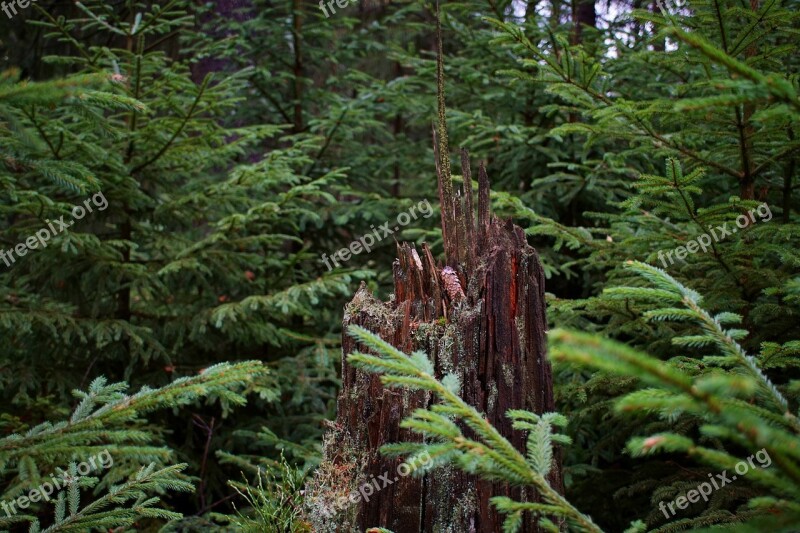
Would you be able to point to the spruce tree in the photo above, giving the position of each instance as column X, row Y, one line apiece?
column 190, row 256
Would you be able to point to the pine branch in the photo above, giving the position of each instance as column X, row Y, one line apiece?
column 492, row 456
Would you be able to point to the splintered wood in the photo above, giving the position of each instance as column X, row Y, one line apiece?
column 480, row 315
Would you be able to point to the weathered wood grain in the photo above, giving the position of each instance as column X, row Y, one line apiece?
column 482, row 316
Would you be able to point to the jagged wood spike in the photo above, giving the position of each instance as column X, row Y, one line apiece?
column 469, row 211
column 446, row 219
column 483, row 205
column 446, row 196
column 460, row 240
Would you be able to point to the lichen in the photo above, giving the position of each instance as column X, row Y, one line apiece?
column 461, row 517
column 364, row 302
column 328, row 506
column 492, row 401
column 444, row 349
column 508, row 374
column 520, row 324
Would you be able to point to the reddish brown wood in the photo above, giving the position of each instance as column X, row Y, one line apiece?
column 482, row 317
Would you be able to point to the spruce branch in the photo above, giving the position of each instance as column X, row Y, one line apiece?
column 777, row 86
column 723, row 338
column 677, row 392
column 563, row 74
column 492, row 456
column 110, row 510
column 104, row 406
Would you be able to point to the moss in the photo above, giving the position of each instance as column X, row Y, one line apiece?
column 328, row 506
column 444, row 351
column 365, row 303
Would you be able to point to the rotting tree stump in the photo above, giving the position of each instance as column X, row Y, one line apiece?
column 482, row 316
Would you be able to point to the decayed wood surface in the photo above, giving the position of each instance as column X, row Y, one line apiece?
column 481, row 315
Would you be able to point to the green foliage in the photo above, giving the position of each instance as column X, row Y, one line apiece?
column 108, row 418
column 724, row 393
column 276, row 503
column 235, row 144
column 30, row 153
column 710, row 88
column 200, row 254
column 122, row 506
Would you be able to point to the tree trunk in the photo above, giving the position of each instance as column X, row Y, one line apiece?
column 482, row 317
column 583, row 14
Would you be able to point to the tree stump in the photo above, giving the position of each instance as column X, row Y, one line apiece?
column 482, row 316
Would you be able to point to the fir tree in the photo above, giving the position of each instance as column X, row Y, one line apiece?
column 107, row 420
column 723, row 393
column 194, row 259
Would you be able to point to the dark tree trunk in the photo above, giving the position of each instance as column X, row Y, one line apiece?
column 484, row 319
column 583, row 14
column 659, row 45
column 297, row 46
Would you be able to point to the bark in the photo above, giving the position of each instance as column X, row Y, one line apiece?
column 297, row 46
column 747, row 183
column 482, row 317
column 789, row 171
column 659, row 45
column 583, row 14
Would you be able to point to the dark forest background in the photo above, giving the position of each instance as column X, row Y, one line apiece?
column 238, row 141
